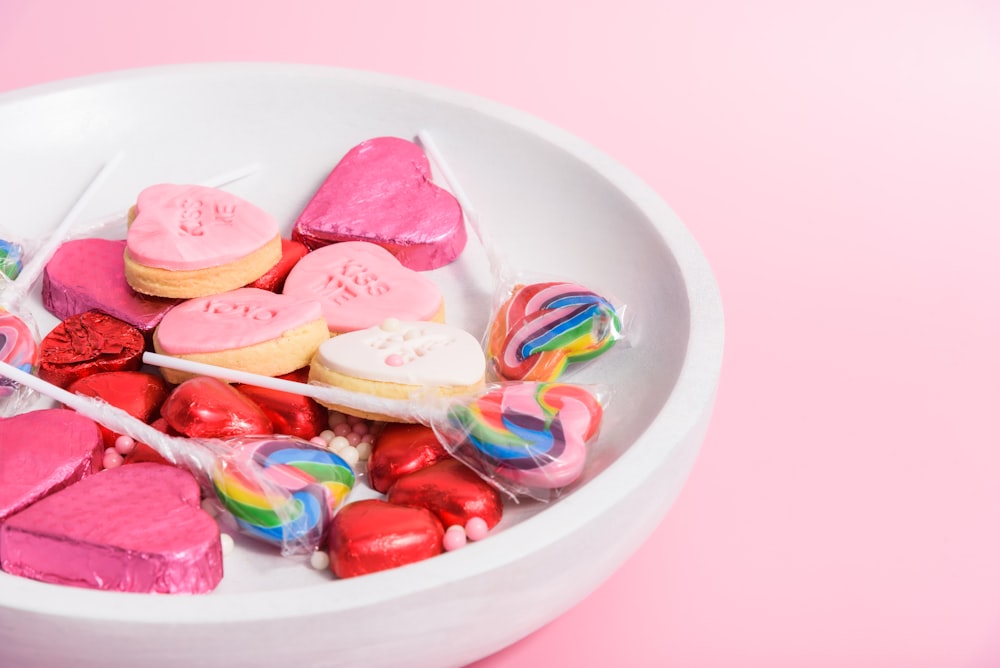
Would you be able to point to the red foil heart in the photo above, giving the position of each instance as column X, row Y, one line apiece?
column 374, row 535
column 401, row 449
column 137, row 393
column 274, row 279
column 204, row 407
column 89, row 343
column 290, row 414
column 452, row 491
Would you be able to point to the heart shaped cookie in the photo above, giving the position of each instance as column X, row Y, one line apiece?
column 360, row 284
column 189, row 241
column 42, row 452
column 246, row 329
column 528, row 438
column 452, row 491
column 381, row 191
column 374, row 535
column 398, row 359
column 89, row 274
column 160, row 540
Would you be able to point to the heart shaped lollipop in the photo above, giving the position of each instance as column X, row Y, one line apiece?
column 381, row 191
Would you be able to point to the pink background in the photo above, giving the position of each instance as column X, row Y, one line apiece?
column 839, row 163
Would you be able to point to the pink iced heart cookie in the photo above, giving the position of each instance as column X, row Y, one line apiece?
column 381, row 192
column 189, row 241
column 89, row 274
column 360, row 284
column 42, row 452
column 248, row 329
column 160, row 540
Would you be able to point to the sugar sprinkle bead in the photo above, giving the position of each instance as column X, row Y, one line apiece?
column 319, row 560
column 335, row 418
column 364, row 450
column 339, row 443
column 320, row 441
column 349, row 455
column 124, row 445
column 112, row 458
column 353, row 439
column 476, row 528
column 326, row 435
column 343, row 429
column 390, row 325
column 228, row 544
column 360, row 428
column 454, row 537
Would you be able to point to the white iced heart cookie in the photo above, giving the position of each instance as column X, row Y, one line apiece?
column 398, row 358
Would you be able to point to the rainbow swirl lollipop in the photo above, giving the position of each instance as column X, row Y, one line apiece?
column 19, row 349
column 313, row 484
column 528, row 438
column 542, row 327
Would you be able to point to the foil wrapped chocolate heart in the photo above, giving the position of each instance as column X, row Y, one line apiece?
column 205, row 407
column 166, row 544
column 89, row 274
column 401, row 449
column 42, row 452
column 137, row 393
column 291, row 252
column 88, row 343
column 452, row 491
column 290, row 414
column 381, row 191
column 374, row 535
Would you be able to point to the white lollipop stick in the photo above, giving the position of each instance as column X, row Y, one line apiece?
column 431, row 150
column 176, row 450
column 33, row 268
column 223, row 179
column 403, row 409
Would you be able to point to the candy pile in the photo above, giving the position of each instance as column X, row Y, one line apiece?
column 287, row 372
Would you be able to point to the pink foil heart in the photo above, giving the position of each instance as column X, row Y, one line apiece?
column 42, row 452
column 136, row 528
column 87, row 274
column 381, row 191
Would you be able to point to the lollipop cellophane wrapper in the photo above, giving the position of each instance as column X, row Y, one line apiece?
column 210, row 460
column 528, row 439
column 540, row 325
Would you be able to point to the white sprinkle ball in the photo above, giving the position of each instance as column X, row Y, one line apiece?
column 228, row 544
column 319, row 560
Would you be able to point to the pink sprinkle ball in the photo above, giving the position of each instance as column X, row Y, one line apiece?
column 360, row 428
column 343, row 429
column 476, row 528
column 320, row 441
column 454, row 538
column 112, row 459
column 353, row 438
column 336, row 418
column 124, row 445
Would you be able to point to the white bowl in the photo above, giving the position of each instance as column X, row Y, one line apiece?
column 549, row 202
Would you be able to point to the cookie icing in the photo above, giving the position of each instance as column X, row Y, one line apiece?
column 234, row 319
column 360, row 284
column 185, row 227
column 408, row 353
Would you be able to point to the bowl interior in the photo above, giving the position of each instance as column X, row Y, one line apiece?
column 549, row 205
